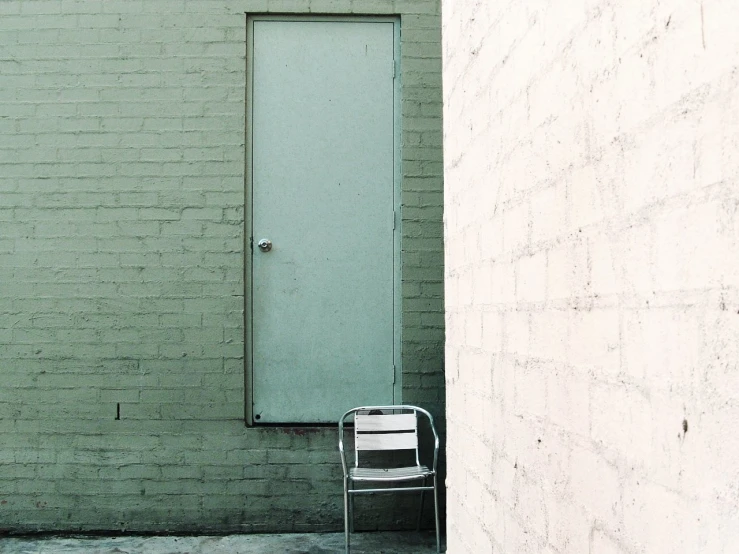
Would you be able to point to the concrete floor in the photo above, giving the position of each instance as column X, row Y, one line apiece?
column 297, row 543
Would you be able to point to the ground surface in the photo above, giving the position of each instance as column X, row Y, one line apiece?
column 304, row 543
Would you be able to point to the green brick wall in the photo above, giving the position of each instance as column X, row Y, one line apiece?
column 121, row 270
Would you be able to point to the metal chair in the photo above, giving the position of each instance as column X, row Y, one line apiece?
column 386, row 428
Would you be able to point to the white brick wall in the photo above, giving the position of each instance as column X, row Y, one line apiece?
column 592, row 276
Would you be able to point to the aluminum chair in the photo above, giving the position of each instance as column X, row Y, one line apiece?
column 386, row 428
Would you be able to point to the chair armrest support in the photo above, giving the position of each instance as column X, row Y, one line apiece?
column 341, row 446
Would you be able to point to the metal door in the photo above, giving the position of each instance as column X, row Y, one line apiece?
column 322, row 110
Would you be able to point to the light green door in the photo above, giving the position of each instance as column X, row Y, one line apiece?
column 324, row 160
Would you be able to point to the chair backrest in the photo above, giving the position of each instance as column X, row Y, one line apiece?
column 386, row 428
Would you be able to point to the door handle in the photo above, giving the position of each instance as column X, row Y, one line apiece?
column 265, row 245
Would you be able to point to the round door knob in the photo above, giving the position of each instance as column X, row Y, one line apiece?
column 265, row 245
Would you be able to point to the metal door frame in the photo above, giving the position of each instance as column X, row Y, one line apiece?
column 248, row 196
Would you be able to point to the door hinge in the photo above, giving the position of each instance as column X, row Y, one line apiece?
column 395, row 69
column 394, row 374
column 394, row 219
column 251, row 244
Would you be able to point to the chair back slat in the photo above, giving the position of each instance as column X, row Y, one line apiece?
column 385, row 428
column 385, row 441
column 385, row 422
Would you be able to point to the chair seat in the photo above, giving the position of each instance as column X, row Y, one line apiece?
column 390, row 474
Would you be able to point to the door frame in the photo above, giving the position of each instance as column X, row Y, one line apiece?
column 248, row 198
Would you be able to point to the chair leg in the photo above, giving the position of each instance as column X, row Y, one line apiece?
column 351, row 513
column 346, row 514
column 436, row 515
column 420, row 508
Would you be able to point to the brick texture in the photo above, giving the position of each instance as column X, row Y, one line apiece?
column 592, row 300
column 122, row 261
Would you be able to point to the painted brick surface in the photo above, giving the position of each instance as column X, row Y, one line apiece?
column 122, row 261
column 592, row 232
